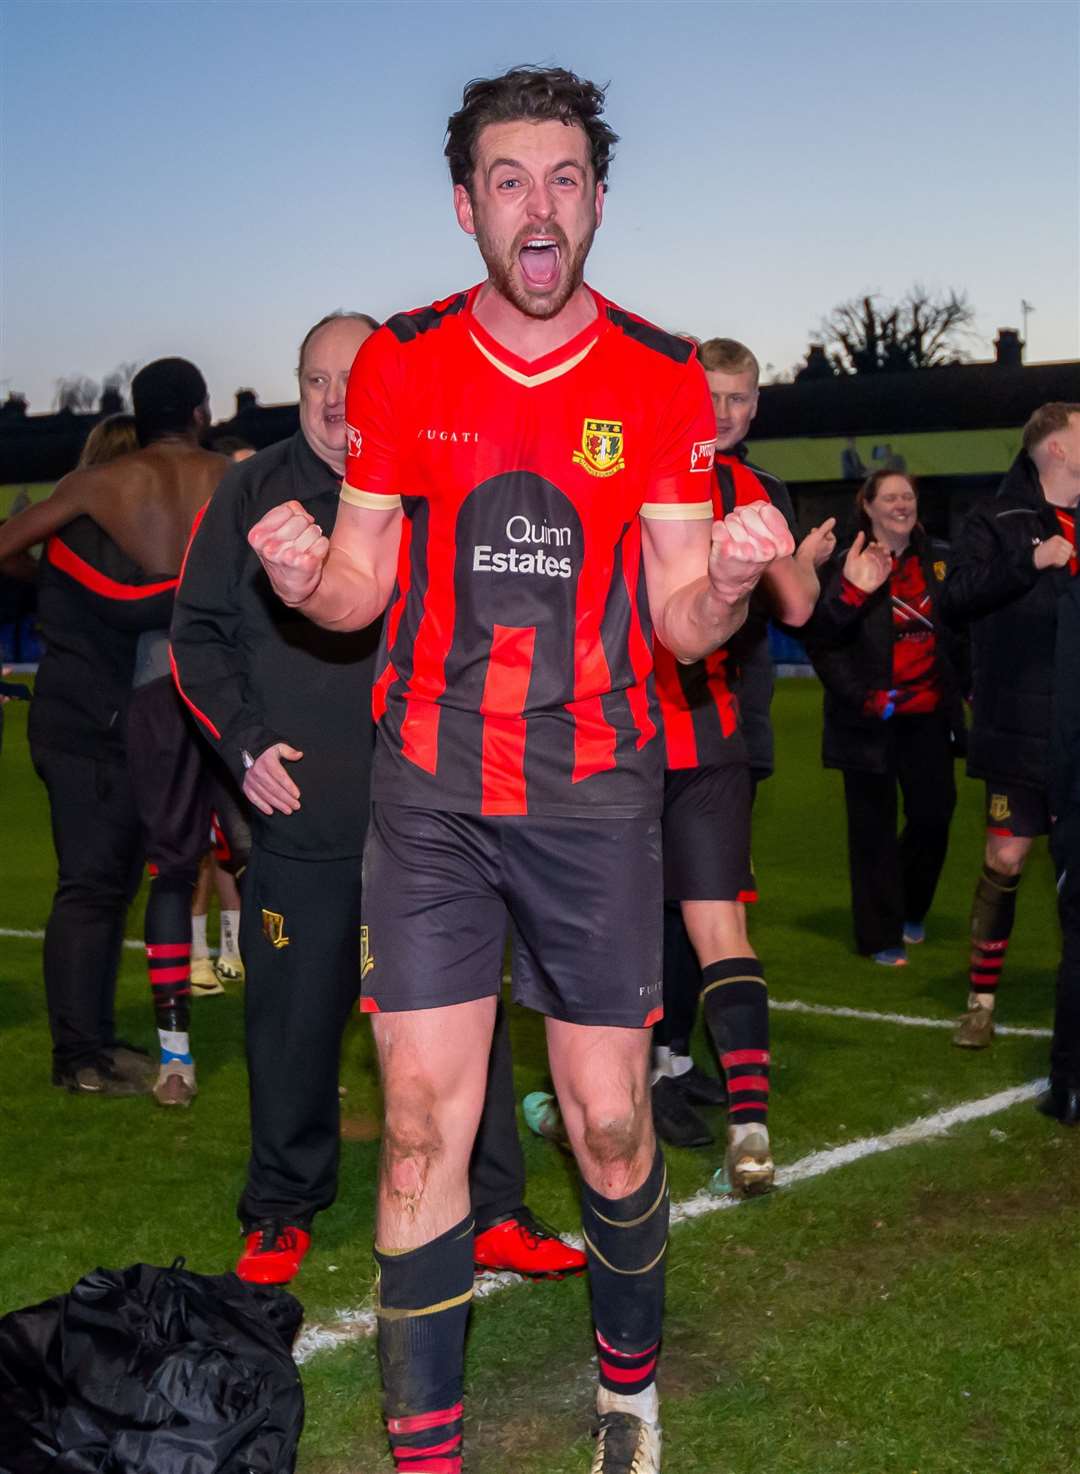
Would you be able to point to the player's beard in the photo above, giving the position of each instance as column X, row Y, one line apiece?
column 505, row 275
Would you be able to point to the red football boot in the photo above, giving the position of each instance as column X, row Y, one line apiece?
column 273, row 1253
column 524, row 1245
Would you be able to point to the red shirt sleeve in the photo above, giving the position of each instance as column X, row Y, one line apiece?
column 680, row 478
column 371, row 455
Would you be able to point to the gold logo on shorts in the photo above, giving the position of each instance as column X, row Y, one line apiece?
column 999, row 806
column 601, row 452
column 939, row 571
column 274, row 928
column 367, row 962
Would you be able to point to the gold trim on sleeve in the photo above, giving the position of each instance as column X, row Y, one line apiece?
column 677, row 511
column 374, row 501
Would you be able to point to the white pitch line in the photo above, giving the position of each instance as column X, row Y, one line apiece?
column 869, row 1016
column 780, row 1005
column 354, row 1325
column 38, row 936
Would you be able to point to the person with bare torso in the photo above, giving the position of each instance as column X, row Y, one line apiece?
column 116, row 535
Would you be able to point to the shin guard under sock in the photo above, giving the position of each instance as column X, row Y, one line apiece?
column 992, row 915
column 626, row 1244
column 736, row 1003
column 423, row 1298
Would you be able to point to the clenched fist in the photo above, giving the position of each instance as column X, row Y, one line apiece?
column 292, row 548
column 744, row 543
column 1054, row 552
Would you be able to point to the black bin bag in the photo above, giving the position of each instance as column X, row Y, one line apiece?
column 151, row 1371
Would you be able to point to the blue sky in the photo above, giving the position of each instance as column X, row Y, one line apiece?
column 207, row 179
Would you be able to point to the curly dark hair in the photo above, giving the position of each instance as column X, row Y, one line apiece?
column 537, row 94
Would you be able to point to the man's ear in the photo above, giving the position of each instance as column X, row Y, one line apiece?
column 463, row 209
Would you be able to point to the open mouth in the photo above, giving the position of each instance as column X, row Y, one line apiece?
column 539, row 258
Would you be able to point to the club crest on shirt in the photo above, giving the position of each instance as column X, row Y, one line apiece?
column 999, row 807
column 274, row 928
column 702, row 455
column 354, row 438
column 601, row 452
column 367, row 962
column 939, row 570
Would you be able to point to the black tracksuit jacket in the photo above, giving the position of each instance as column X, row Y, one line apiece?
column 851, row 648
column 1012, row 609
column 255, row 672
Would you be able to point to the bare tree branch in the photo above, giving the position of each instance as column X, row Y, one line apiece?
column 869, row 335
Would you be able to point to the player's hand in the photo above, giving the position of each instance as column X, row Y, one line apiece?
column 1055, row 552
column 744, row 543
column 867, row 565
column 267, row 783
column 819, row 544
column 292, row 548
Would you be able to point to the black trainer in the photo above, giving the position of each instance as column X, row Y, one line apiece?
column 131, row 1063
column 97, row 1078
column 674, row 1117
column 1061, row 1102
column 701, row 1088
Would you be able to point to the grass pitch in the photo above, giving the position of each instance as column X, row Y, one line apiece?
column 910, row 1313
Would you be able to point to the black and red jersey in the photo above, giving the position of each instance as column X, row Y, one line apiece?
column 516, row 667
column 700, row 711
column 1067, row 523
column 914, row 663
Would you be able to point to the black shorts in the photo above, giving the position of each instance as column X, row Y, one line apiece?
column 580, row 898
column 707, row 834
column 178, row 784
column 1013, row 809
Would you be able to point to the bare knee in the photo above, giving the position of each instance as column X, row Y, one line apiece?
column 616, row 1141
column 412, row 1144
column 1006, row 853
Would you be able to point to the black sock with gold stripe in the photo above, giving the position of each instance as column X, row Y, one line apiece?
column 626, row 1244
column 423, row 1298
column 735, row 1000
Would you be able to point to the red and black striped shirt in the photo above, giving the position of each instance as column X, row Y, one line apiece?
column 515, row 675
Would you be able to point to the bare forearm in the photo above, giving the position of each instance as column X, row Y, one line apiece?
column 793, row 590
column 697, row 620
column 346, row 598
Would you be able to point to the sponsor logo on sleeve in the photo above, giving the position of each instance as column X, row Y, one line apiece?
column 702, row 455
column 354, row 438
column 601, row 452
